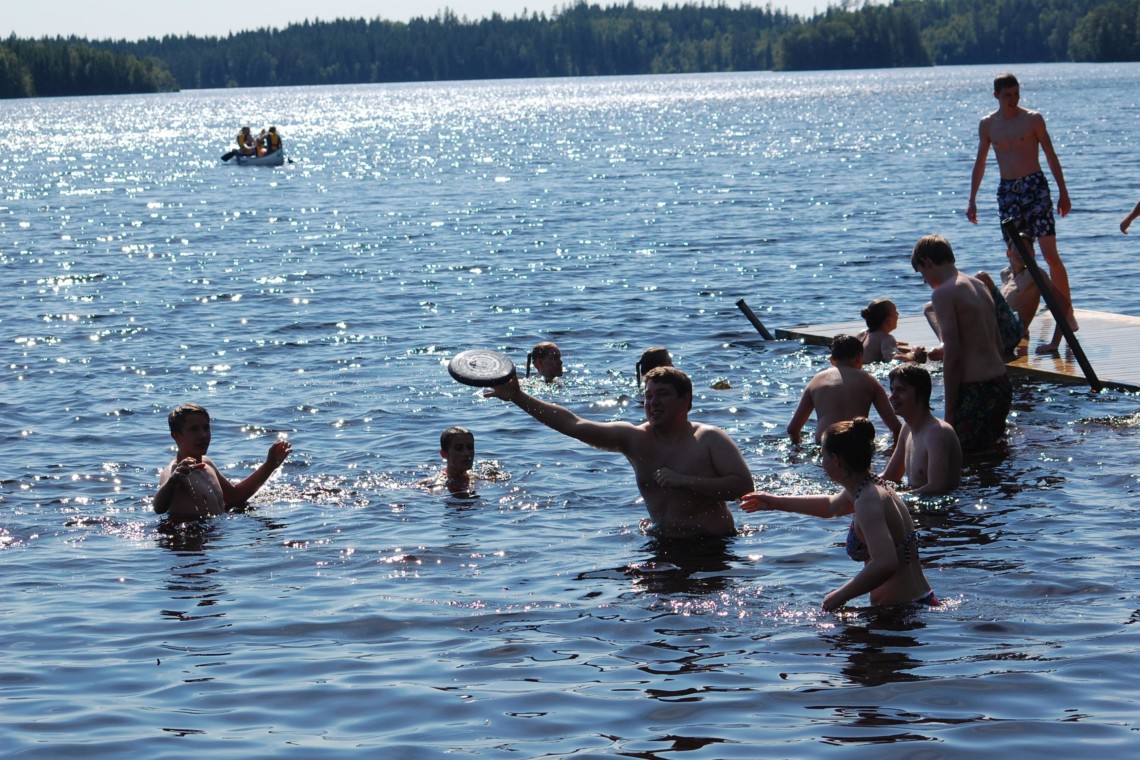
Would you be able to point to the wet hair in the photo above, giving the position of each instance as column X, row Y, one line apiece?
column 673, row 377
column 1004, row 80
column 853, row 441
column 652, row 358
column 846, row 347
column 934, row 248
column 449, row 435
column 177, row 417
column 916, row 377
column 540, row 351
column 876, row 313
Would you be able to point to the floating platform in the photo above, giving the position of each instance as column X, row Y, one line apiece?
column 1111, row 343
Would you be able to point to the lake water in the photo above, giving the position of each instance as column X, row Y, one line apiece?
column 350, row 612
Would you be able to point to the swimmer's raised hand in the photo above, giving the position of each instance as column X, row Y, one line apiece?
column 832, row 602
column 757, row 501
column 507, row 391
column 277, row 452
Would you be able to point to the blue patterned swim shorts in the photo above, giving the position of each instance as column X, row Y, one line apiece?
column 1028, row 203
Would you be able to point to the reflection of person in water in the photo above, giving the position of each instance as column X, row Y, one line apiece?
column 876, row 655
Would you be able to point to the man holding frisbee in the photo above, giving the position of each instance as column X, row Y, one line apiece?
column 685, row 471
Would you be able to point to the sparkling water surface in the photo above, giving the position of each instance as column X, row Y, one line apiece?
column 349, row 611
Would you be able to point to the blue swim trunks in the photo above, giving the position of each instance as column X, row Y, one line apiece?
column 1027, row 202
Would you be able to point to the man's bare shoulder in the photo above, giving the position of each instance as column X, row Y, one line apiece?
column 825, row 377
column 936, row 431
column 705, row 432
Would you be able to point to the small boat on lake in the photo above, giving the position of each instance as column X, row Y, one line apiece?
column 276, row 158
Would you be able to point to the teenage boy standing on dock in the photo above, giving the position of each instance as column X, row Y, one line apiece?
column 1016, row 134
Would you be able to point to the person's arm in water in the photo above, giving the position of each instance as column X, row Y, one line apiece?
column 883, row 562
column 801, row 415
column 883, row 406
column 732, row 478
column 944, row 312
column 896, row 465
column 240, row 493
column 609, row 436
column 1124, row 225
column 818, row 505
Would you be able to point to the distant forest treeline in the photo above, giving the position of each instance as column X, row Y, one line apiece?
column 584, row 40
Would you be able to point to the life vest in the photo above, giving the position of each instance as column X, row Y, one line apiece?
column 272, row 142
column 244, row 139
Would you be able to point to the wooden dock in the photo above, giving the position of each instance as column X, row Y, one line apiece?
column 1110, row 341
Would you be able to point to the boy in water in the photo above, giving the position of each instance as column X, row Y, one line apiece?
column 842, row 392
column 457, row 447
column 928, row 451
column 191, row 486
column 977, row 389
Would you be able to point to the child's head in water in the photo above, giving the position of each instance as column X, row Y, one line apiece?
column 652, row 358
column 846, row 349
column 881, row 314
column 546, row 359
column 457, row 447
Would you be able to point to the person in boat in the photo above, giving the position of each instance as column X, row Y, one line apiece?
column 843, row 391
column 976, row 387
column 270, row 141
column 685, row 471
column 882, row 534
column 927, row 452
column 192, row 486
column 247, row 146
column 546, row 358
column 652, row 358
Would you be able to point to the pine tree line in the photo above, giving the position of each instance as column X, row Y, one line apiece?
column 585, row 40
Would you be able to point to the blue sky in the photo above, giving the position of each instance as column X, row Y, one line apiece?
column 135, row 19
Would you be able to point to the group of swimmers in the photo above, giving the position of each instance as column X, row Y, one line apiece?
column 687, row 472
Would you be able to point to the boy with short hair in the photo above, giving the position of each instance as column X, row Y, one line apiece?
column 928, row 451
column 191, row 486
column 1019, row 137
column 977, row 388
column 457, row 447
column 844, row 391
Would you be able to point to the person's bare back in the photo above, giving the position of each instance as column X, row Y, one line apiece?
column 964, row 304
column 844, row 393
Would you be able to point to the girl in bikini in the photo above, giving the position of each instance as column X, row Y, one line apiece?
column 882, row 534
